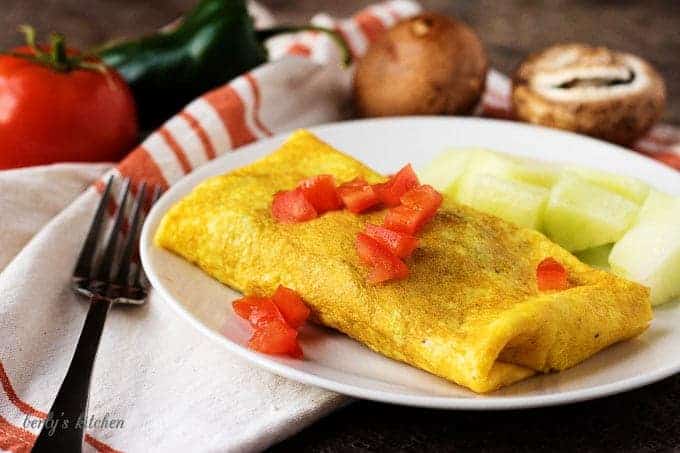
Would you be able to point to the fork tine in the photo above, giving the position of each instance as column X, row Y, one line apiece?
column 157, row 191
column 137, row 269
column 104, row 271
column 122, row 276
column 84, row 263
column 156, row 194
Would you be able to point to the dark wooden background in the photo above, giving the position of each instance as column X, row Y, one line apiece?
column 643, row 420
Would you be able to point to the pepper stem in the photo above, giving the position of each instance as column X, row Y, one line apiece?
column 267, row 33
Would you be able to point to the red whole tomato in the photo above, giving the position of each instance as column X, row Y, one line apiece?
column 55, row 108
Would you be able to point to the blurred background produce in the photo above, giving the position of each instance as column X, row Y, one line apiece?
column 509, row 30
column 167, row 69
column 434, row 64
column 430, row 64
column 60, row 104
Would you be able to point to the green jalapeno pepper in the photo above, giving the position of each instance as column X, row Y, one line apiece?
column 213, row 44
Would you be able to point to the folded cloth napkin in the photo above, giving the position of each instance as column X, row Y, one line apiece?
column 159, row 385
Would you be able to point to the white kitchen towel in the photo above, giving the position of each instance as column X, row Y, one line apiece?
column 159, row 385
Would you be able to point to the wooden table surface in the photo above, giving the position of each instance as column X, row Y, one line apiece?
column 647, row 419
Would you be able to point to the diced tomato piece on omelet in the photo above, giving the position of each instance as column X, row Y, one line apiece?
column 418, row 206
column 390, row 192
column 385, row 265
column 291, row 206
column 423, row 198
column 358, row 195
column 321, row 192
column 291, row 306
column 405, row 219
column 551, row 275
column 276, row 337
column 400, row 244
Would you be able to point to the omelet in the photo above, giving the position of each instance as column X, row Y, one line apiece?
column 470, row 310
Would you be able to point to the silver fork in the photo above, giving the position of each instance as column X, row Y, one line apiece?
column 104, row 283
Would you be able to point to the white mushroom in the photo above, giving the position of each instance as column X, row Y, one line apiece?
column 592, row 90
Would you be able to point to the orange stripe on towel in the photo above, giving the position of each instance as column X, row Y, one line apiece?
column 14, row 398
column 371, row 26
column 230, row 108
column 201, row 133
column 176, row 149
column 16, row 439
column 13, row 438
column 256, row 108
column 99, row 445
column 299, row 49
column 140, row 166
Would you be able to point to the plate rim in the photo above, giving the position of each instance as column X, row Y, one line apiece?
column 482, row 401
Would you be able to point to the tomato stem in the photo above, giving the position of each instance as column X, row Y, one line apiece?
column 58, row 55
column 29, row 35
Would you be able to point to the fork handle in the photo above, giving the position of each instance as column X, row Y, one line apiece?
column 70, row 405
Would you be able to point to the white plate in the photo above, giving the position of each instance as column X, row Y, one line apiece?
column 335, row 362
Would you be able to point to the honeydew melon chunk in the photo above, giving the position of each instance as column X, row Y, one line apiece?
column 660, row 207
column 536, row 172
column 445, row 169
column 650, row 254
column 596, row 256
column 484, row 162
column 478, row 161
column 513, row 201
column 487, row 162
column 631, row 188
column 511, row 167
column 580, row 215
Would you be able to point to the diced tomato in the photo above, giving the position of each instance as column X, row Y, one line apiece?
column 292, row 206
column 423, row 198
column 405, row 219
column 551, row 275
column 296, row 351
column 321, row 193
column 390, row 192
column 400, row 244
column 258, row 311
column 291, row 306
column 276, row 337
column 418, row 206
column 358, row 195
column 385, row 265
